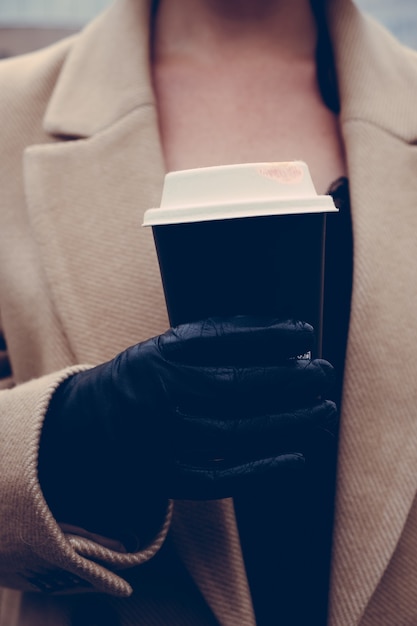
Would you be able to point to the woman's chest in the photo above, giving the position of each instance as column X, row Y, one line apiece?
column 222, row 119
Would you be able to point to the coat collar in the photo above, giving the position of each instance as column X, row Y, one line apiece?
column 109, row 102
column 90, row 96
column 368, row 59
column 106, row 74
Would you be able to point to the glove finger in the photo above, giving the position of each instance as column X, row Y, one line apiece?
column 218, row 480
column 253, row 437
column 237, row 340
column 232, row 391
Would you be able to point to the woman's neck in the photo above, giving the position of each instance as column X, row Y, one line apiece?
column 207, row 31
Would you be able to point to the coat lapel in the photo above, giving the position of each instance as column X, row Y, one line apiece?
column 87, row 194
column 377, row 477
column 86, row 197
column 86, row 200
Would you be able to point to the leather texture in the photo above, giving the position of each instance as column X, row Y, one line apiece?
column 214, row 405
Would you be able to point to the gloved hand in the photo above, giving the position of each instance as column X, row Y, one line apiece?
column 195, row 413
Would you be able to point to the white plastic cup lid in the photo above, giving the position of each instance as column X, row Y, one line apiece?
column 237, row 191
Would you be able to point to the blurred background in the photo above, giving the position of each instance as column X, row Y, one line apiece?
column 26, row 25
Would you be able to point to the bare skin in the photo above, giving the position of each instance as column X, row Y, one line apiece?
column 236, row 82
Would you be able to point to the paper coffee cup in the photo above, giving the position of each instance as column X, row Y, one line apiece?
column 242, row 239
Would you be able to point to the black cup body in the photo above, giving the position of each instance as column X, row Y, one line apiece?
column 271, row 265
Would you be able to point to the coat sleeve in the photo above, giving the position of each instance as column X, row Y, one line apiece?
column 36, row 554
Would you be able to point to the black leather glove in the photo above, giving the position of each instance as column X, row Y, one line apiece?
column 195, row 413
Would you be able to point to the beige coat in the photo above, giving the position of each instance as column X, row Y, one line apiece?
column 81, row 162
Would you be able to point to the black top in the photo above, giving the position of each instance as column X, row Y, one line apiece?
column 286, row 529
